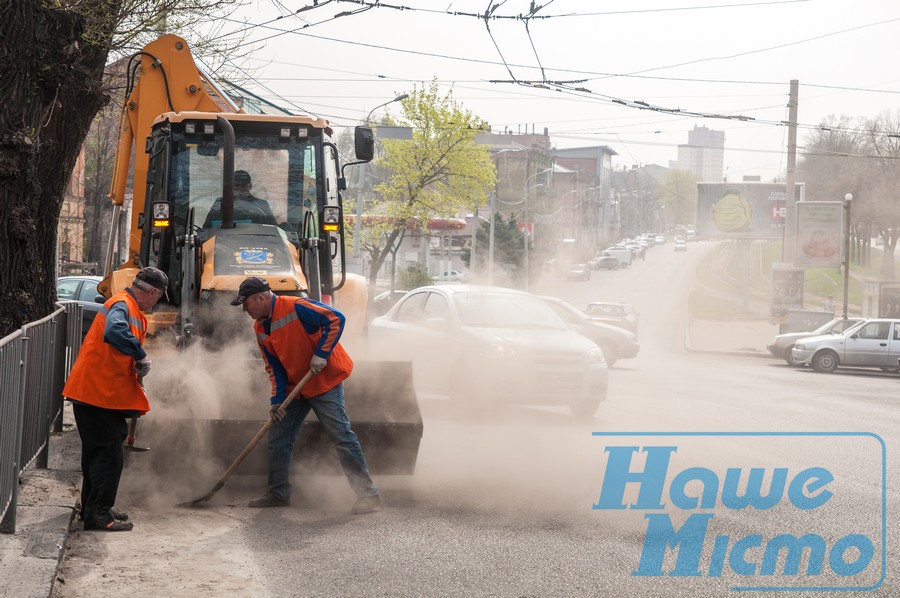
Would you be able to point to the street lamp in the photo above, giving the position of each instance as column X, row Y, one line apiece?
column 847, row 200
column 525, row 218
column 362, row 177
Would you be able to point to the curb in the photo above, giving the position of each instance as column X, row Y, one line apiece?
column 748, row 352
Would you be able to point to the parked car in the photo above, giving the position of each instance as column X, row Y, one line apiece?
column 871, row 343
column 680, row 244
column 623, row 254
column 451, row 276
column 616, row 343
column 622, row 315
column 578, row 272
column 637, row 250
column 82, row 289
column 480, row 343
column 783, row 344
column 604, row 261
column 659, row 239
column 385, row 300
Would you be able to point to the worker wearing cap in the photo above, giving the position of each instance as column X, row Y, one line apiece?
column 105, row 389
column 247, row 207
column 296, row 335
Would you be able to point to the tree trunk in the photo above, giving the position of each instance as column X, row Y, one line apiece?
column 51, row 92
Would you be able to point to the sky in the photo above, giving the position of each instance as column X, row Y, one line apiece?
column 569, row 68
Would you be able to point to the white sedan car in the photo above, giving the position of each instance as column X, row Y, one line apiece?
column 873, row 343
column 479, row 343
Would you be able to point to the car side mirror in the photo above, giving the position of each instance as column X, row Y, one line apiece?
column 99, row 299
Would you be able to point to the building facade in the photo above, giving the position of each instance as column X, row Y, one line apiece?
column 704, row 154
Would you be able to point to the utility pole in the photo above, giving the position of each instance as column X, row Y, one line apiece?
column 789, row 233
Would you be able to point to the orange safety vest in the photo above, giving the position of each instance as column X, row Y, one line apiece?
column 294, row 348
column 103, row 376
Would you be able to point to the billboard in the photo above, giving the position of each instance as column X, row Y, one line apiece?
column 787, row 291
column 742, row 210
column 819, row 233
column 890, row 302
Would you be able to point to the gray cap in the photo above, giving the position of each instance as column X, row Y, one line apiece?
column 250, row 286
column 155, row 277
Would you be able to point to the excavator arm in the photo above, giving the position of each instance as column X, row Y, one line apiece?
column 169, row 81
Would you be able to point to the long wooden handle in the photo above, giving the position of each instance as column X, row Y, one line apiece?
column 264, row 429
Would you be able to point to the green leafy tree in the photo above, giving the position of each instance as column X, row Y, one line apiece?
column 440, row 172
column 509, row 251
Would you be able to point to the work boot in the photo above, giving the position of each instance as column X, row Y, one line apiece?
column 113, row 525
column 367, row 504
column 269, row 500
column 116, row 515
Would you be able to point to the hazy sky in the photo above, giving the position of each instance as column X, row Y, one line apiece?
column 723, row 57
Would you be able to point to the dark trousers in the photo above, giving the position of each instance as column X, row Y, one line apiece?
column 103, row 433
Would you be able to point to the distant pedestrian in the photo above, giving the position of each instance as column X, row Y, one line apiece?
column 829, row 304
column 105, row 389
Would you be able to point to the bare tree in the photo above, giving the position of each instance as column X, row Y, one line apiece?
column 52, row 57
column 859, row 156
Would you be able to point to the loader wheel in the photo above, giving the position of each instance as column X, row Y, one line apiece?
column 584, row 407
column 826, row 361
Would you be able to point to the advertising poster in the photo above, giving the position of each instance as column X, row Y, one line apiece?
column 787, row 291
column 890, row 302
column 819, row 233
column 742, row 210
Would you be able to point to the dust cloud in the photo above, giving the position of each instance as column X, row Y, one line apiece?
column 464, row 455
column 205, row 407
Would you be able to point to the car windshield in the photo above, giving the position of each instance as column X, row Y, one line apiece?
column 832, row 326
column 600, row 309
column 502, row 310
column 854, row 328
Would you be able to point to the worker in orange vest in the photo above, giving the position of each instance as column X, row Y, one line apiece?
column 296, row 335
column 105, row 389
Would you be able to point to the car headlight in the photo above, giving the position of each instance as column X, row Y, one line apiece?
column 595, row 355
column 800, row 346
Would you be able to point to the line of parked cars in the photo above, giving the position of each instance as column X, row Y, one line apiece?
column 871, row 343
column 782, row 346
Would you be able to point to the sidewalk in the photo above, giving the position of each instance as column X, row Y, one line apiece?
column 46, row 505
column 732, row 337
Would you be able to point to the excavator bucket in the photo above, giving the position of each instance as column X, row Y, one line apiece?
column 381, row 403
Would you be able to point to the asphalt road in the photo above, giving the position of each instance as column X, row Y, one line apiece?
column 501, row 503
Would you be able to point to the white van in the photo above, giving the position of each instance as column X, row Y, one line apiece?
column 623, row 254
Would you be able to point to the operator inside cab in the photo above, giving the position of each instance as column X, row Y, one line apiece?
column 247, row 207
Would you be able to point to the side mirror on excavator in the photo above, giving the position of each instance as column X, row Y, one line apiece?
column 364, row 140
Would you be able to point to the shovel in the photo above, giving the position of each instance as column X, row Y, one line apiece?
column 132, row 431
column 129, row 442
column 221, row 483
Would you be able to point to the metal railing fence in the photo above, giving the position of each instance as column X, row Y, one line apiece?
column 34, row 364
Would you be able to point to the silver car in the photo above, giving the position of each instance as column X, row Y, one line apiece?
column 83, row 289
column 616, row 343
column 782, row 345
column 479, row 344
column 871, row 343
